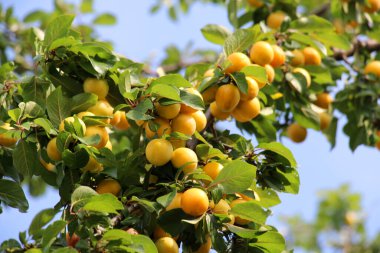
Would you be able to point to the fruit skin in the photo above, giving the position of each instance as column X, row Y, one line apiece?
column 177, row 143
column 167, row 111
column 325, row 120
column 278, row 57
column 184, row 123
column 46, row 165
column 189, row 109
column 108, row 145
column 373, row 6
column 52, row 150
column 194, row 202
column 123, row 123
column 238, row 220
column 72, row 240
column 253, row 90
column 176, row 202
column 71, row 120
column 222, row 207
column 305, row 73
column 102, row 108
column 209, row 94
column 93, row 166
column 109, row 186
column 296, row 133
column 81, row 115
column 97, row 87
column 200, row 120
column 159, row 152
column 212, row 169
column 261, row 53
column 217, row 113
column 270, row 73
column 378, row 145
column 237, row 61
column 373, row 68
column 182, row 156
column 167, row 245
column 323, row 100
column 312, row 56
column 209, row 73
column 97, row 130
column 116, row 118
column 298, row 58
column 247, row 110
column 205, row 247
column 275, row 19
column 159, row 233
column 227, row 97
column 163, row 128
column 256, row 3
column 5, row 140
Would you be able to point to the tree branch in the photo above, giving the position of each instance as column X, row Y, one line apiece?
column 369, row 45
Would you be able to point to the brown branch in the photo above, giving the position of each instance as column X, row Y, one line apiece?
column 320, row 11
column 369, row 45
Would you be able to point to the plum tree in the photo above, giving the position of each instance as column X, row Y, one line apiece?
column 138, row 153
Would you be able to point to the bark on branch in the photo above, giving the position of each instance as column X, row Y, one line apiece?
column 369, row 45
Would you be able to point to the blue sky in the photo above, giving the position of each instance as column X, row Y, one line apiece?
column 139, row 36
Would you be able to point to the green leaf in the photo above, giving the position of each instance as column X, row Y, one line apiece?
column 242, row 232
column 306, row 117
column 270, row 241
column 12, row 195
column 65, row 250
column 166, row 199
column 280, row 149
column 105, row 203
column 64, row 42
column 172, row 79
column 86, row 6
column 238, row 41
column 215, row 33
column 232, row 9
column 171, row 221
column 267, row 197
column 166, row 91
column 81, row 102
column 41, row 219
column 46, row 125
column 257, row 72
column 117, row 234
column 206, row 152
column 311, row 24
column 105, row 19
column 240, row 81
column 145, row 242
column 25, row 157
column 51, row 232
column 191, row 100
column 139, row 112
column 58, row 28
column 236, row 176
column 251, row 211
column 58, row 106
column 35, row 16
column 82, row 194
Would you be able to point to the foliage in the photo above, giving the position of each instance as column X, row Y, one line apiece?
column 339, row 224
column 81, row 118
